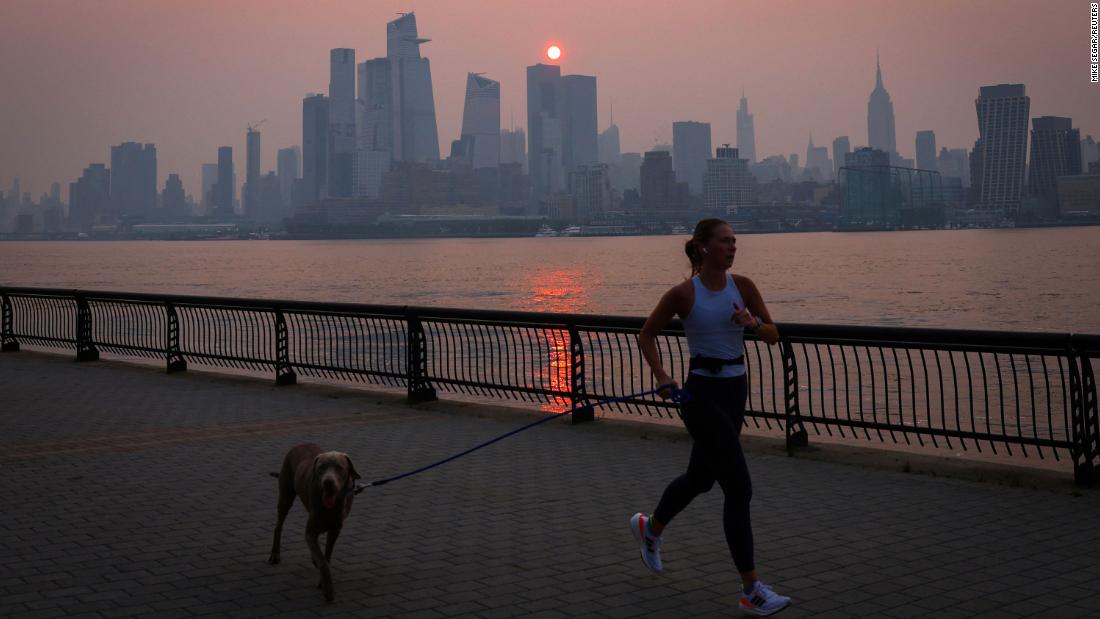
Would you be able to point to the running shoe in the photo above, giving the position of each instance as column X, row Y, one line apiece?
column 762, row 601
column 649, row 544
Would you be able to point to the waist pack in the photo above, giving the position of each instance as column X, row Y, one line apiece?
column 713, row 364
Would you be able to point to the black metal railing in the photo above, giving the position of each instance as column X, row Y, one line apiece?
column 1026, row 394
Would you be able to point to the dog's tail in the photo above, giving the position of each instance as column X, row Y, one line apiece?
column 275, row 475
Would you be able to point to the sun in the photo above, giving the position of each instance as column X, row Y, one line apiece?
column 553, row 52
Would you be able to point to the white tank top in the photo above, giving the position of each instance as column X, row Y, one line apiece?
column 710, row 329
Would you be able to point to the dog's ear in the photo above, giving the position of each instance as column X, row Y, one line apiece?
column 351, row 467
column 316, row 464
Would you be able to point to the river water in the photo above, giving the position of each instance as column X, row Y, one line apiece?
column 1015, row 279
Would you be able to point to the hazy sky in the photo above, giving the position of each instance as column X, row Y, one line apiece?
column 188, row 75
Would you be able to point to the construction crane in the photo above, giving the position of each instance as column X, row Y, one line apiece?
column 252, row 127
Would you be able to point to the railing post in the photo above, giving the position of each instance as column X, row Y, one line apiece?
column 1084, row 431
column 173, row 356
column 578, row 394
column 284, row 375
column 85, row 347
column 416, row 361
column 795, row 431
column 8, row 343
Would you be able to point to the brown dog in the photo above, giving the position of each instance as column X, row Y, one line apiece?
column 325, row 482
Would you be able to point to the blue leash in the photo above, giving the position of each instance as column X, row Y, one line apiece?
column 678, row 395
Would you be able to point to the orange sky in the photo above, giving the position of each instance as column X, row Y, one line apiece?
column 77, row 76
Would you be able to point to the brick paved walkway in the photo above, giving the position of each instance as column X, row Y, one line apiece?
column 129, row 492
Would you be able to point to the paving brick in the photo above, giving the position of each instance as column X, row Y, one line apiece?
column 167, row 510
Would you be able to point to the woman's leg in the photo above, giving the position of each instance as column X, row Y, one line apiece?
column 698, row 478
column 680, row 492
column 717, row 438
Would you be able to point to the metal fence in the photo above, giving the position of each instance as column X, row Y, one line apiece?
column 1025, row 394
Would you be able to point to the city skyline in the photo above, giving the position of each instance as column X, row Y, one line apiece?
column 196, row 99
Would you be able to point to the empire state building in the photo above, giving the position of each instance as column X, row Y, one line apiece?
column 880, row 118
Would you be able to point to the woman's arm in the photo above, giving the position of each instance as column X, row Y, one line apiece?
column 754, row 302
column 666, row 310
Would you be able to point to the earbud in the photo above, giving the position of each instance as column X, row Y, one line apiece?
column 705, row 251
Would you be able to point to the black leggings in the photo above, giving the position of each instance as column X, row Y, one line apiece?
column 713, row 416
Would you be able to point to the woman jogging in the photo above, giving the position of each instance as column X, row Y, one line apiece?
column 716, row 308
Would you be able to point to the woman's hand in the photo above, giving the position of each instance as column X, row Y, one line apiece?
column 742, row 317
column 668, row 386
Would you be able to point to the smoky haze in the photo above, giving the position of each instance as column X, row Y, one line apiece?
column 189, row 76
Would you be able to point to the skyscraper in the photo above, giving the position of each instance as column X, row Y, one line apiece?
column 954, row 163
column 1002, row 145
column 209, row 179
column 690, row 151
column 659, row 189
column 746, row 133
column 513, row 147
column 415, row 135
column 173, row 201
column 1089, row 152
column 376, row 128
column 590, row 187
column 315, row 136
column 841, row 148
column 579, row 127
column 341, row 122
column 251, row 173
column 880, row 117
column 224, row 191
column 544, row 126
column 134, row 179
column 926, row 150
column 609, row 145
column 727, row 183
column 817, row 161
column 1055, row 151
column 481, row 121
column 288, row 170
column 90, row 197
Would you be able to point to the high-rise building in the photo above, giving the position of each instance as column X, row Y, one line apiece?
column 134, row 179
column 561, row 125
column 690, row 151
column 544, row 126
column 579, row 126
column 1002, row 145
column 415, row 137
column 224, row 191
column 376, row 126
column 1055, row 151
column 90, row 197
column 880, row 117
column 513, row 147
column 315, row 127
column 173, row 200
column 609, row 145
column 341, row 122
column 727, row 184
column 481, row 121
column 590, row 187
column 954, row 163
column 251, row 173
column 288, row 170
column 659, row 189
column 209, row 179
column 926, row 150
column 818, row 165
column 841, row 147
column 631, row 165
column 1089, row 152
column 746, row 133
